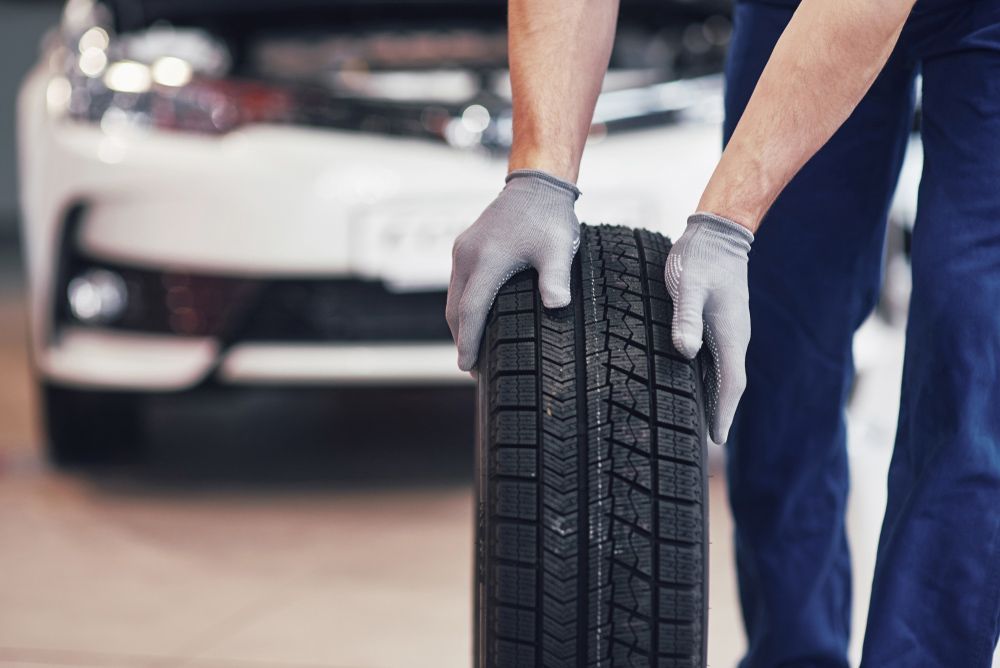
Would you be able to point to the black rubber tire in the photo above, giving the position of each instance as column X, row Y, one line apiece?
column 91, row 427
column 592, row 525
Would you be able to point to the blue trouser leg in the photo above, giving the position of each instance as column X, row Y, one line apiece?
column 814, row 275
column 936, row 595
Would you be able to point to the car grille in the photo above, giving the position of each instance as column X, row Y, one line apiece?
column 287, row 310
column 344, row 310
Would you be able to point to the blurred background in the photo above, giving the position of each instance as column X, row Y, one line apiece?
column 231, row 429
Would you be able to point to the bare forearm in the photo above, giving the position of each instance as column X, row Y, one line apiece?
column 823, row 64
column 559, row 51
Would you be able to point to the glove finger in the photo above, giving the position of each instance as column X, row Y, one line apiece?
column 456, row 288
column 477, row 297
column 730, row 381
column 687, row 327
column 554, row 282
column 711, row 377
column 462, row 266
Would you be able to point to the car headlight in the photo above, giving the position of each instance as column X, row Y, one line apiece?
column 162, row 77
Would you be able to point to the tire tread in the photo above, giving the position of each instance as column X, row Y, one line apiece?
column 593, row 501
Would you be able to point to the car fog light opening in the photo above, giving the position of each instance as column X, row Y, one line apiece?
column 97, row 296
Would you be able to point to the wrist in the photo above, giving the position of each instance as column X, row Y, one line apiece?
column 723, row 227
column 560, row 164
column 748, row 217
column 741, row 189
column 546, row 180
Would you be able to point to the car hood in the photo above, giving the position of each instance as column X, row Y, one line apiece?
column 136, row 14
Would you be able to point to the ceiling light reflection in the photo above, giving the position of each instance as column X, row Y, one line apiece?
column 128, row 76
column 57, row 95
column 172, row 71
column 94, row 38
column 93, row 61
column 476, row 118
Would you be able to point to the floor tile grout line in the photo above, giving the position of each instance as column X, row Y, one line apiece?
column 70, row 657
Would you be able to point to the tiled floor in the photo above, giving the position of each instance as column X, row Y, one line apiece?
column 106, row 572
column 95, row 575
column 266, row 549
column 92, row 577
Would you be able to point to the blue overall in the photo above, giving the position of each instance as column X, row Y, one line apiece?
column 815, row 270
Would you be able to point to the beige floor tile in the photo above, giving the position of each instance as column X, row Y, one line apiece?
column 359, row 624
column 726, row 640
column 78, row 578
column 11, row 657
column 398, row 595
column 89, row 571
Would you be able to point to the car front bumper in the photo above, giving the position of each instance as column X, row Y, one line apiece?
column 108, row 359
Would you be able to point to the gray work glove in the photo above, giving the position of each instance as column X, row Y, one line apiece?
column 706, row 276
column 531, row 223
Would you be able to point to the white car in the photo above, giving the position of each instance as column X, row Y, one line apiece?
column 266, row 191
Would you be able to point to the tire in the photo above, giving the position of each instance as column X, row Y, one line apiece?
column 592, row 526
column 91, row 428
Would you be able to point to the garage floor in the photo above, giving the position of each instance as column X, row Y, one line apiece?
column 304, row 529
column 311, row 529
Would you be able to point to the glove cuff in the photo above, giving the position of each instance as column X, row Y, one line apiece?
column 545, row 177
column 723, row 226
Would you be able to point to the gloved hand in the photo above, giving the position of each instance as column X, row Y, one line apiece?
column 531, row 223
column 706, row 276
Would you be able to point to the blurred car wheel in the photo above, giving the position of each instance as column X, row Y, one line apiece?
column 89, row 427
column 592, row 471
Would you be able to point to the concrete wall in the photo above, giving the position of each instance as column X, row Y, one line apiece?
column 22, row 25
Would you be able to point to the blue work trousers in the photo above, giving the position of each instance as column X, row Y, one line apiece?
column 815, row 272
